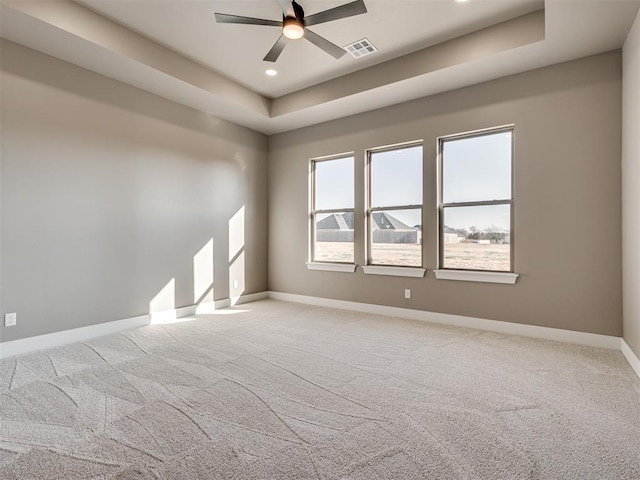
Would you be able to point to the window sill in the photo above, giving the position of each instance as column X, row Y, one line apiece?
column 394, row 271
column 332, row 267
column 472, row 276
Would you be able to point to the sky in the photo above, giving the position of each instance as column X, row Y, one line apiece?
column 474, row 169
column 396, row 177
column 335, row 184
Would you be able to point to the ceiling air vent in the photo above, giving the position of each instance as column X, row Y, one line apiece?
column 361, row 48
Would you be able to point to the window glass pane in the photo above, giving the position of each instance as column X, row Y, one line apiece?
column 334, row 184
column 477, row 168
column 477, row 238
column 396, row 177
column 334, row 238
column 396, row 237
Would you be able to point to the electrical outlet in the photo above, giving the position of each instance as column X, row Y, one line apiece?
column 407, row 293
column 10, row 319
column 235, row 284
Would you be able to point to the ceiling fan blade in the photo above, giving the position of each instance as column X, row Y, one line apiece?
column 276, row 50
column 343, row 11
column 287, row 8
column 224, row 18
column 332, row 49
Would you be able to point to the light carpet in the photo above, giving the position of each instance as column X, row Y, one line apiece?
column 273, row 390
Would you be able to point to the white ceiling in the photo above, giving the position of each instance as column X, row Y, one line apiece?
column 175, row 49
column 395, row 27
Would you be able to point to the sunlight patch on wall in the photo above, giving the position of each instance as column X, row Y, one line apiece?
column 236, row 256
column 162, row 307
column 236, row 234
column 203, row 277
column 236, row 279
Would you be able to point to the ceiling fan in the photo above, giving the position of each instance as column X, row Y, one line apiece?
column 294, row 25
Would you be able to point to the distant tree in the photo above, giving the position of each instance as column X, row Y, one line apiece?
column 474, row 233
column 495, row 234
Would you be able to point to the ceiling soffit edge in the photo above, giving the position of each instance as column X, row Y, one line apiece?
column 103, row 33
column 515, row 33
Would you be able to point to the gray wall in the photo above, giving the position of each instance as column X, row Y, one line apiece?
column 631, row 187
column 567, row 198
column 107, row 194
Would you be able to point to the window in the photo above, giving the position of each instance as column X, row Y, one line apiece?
column 332, row 210
column 394, row 206
column 476, row 201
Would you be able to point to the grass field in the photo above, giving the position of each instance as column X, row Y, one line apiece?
column 456, row 255
column 477, row 257
column 406, row 254
column 334, row 252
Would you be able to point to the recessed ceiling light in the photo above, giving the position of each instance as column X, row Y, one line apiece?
column 461, row 1
column 271, row 72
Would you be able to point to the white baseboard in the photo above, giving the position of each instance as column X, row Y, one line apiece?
column 205, row 307
column 631, row 356
column 57, row 339
column 251, row 297
column 248, row 298
column 545, row 333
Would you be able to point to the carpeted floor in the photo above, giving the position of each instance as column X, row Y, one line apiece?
column 272, row 390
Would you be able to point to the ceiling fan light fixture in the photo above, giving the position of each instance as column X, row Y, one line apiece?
column 294, row 25
column 292, row 28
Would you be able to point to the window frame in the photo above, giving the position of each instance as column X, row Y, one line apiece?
column 442, row 205
column 313, row 212
column 369, row 210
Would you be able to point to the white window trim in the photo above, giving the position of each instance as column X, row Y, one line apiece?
column 332, row 267
column 391, row 270
column 311, row 227
column 476, row 276
column 394, row 271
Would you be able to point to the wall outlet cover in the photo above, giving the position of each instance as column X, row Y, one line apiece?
column 407, row 293
column 10, row 319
